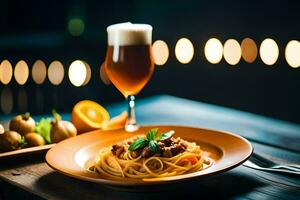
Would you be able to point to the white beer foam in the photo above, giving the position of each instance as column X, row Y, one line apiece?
column 129, row 34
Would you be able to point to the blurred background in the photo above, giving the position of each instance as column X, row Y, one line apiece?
column 239, row 54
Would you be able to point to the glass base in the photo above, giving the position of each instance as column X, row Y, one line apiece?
column 131, row 127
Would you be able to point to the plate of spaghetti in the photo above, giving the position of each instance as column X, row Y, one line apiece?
column 150, row 156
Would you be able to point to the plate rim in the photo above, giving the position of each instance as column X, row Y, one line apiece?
column 112, row 182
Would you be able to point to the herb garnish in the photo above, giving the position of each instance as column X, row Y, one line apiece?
column 139, row 143
column 165, row 135
column 150, row 141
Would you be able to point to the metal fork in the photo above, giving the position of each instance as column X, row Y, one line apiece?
column 260, row 163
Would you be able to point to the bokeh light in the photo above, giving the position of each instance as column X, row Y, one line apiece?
column 39, row 100
column 249, row 50
column 269, row 51
column 7, row 102
column 104, row 76
column 39, row 72
column 292, row 53
column 88, row 74
column 184, row 50
column 213, row 50
column 21, row 72
column 232, row 52
column 22, row 100
column 77, row 73
column 160, row 52
column 76, row 26
column 6, row 72
column 56, row 72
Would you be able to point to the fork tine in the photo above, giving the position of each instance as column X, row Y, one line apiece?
column 294, row 165
column 257, row 161
column 252, row 165
column 263, row 159
column 264, row 162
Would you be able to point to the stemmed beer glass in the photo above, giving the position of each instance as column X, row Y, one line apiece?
column 129, row 63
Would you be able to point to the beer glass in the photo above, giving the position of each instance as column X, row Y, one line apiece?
column 129, row 63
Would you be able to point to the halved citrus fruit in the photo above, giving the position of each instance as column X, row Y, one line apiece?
column 88, row 115
column 116, row 122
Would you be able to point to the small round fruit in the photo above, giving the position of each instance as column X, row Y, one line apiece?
column 34, row 139
column 88, row 115
column 116, row 123
column 22, row 124
column 62, row 130
column 10, row 140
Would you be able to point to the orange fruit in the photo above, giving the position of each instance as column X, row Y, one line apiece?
column 116, row 122
column 88, row 115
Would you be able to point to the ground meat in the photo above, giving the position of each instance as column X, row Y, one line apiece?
column 167, row 142
column 117, row 149
column 136, row 153
column 176, row 140
column 177, row 149
column 171, row 141
column 146, row 153
column 174, row 149
column 168, row 148
column 161, row 145
column 183, row 143
column 166, row 152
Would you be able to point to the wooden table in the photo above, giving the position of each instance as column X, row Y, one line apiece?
column 31, row 178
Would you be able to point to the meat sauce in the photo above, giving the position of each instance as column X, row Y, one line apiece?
column 168, row 148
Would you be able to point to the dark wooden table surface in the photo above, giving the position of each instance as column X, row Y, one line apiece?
column 30, row 178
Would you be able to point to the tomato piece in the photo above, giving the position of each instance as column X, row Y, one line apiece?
column 193, row 160
column 188, row 160
column 184, row 162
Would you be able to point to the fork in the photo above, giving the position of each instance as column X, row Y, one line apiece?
column 260, row 163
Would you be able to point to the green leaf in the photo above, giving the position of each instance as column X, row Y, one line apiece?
column 165, row 135
column 152, row 134
column 43, row 128
column 139, row 143
column 26, row 115
column 56, row 116
column 154, row 146
column 23, row 142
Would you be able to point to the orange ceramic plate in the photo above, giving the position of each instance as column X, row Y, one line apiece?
column 73, row 156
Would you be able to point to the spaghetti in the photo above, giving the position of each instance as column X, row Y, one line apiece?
column 142, row 157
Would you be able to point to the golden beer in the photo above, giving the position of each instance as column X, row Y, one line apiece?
column 129, row 63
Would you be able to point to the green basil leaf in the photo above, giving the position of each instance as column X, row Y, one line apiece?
column 154, row 146
column 139, row 143
column 151, row 135
column 166, row 135
column 43, row 128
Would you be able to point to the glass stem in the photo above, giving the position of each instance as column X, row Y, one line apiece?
column 131, row 124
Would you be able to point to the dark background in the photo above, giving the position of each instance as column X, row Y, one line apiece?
column 32, row 30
